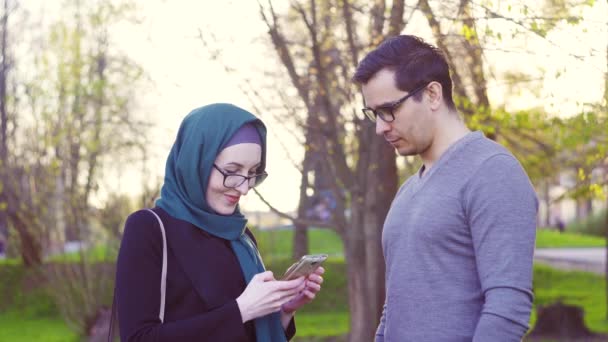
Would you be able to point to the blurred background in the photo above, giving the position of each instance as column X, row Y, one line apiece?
column 92, row 93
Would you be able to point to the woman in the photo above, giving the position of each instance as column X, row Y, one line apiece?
column 216, row 285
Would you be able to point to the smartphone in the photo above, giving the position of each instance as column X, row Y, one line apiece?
column 305, row 266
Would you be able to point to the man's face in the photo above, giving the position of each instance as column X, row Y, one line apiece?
column 412, row 130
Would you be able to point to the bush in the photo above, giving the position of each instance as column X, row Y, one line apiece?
column 81, row 290
column 593, row 225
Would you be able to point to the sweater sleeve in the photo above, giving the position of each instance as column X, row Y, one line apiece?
column 501, row 208
column 138, row 279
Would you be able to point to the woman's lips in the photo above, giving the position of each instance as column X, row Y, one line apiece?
column 232, row 199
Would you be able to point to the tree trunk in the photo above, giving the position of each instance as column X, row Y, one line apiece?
column 3, row 134
column 547, row 199
column 606, row 262
column 361, row 324
column 606, row 177
column 363, row 239
column 561, row 321
column 300, row 236
column 30, row 247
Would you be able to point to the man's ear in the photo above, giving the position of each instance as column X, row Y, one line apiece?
column 434, row 92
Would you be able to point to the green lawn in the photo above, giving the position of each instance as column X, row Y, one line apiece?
column 18, row 327
column 550, row 238
column 28, row 315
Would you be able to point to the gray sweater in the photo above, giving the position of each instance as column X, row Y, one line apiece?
column 458, row 243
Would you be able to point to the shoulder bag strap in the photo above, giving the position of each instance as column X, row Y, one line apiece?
column 163, row 275
column 163, row 284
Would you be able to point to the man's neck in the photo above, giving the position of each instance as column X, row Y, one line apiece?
column 449, row 129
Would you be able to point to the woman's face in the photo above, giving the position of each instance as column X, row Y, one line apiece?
column 241, row 159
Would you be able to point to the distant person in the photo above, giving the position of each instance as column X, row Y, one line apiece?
column 458, row 239
column 217, row 288
column 560, row 225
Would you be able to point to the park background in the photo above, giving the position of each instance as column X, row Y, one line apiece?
column 92, row 93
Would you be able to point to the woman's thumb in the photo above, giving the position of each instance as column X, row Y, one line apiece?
column 264, row 276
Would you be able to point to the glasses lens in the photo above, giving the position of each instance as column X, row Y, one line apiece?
column 385, row 114
column 233, row 181
column 370, row 114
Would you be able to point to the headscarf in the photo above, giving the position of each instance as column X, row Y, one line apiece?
column 203, row 134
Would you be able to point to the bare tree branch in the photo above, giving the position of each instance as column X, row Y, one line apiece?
column 305, row 222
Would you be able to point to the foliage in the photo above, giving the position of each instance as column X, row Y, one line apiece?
column 74, row 111
column 592, row 225
column 278, row 244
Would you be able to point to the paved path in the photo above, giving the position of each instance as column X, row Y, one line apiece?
column 584, row 259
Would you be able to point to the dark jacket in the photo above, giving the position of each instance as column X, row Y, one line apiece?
column 203, row 281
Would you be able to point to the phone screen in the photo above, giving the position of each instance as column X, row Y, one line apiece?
column 305, row 266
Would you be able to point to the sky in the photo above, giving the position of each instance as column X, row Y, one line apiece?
column 182, row 76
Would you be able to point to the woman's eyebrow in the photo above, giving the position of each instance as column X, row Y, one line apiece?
column 241, row 165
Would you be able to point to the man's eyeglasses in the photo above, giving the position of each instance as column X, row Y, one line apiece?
column 233, row 180
column 386, row 112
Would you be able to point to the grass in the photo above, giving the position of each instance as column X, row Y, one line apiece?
column 32, row 316
column 28, row 313
column 98, row 253
column 546, row 238
column 17, row 327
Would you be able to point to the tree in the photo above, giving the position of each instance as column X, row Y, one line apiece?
column 72, row 102
column 4, row 70
column 319, row 52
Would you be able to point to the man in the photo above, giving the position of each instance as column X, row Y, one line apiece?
column 458, row 240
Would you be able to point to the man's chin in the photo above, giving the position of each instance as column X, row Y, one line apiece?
column 405, row 152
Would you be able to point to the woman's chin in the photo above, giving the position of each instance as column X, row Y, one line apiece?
column 226, row 210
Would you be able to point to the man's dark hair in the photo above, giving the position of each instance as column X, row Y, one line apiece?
column 415, row 62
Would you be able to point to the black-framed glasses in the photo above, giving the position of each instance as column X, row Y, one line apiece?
column 233, row 180
column 387, row 112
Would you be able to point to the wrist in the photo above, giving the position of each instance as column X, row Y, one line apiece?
column 244, row 314
column 286, row 317
column 287, row 312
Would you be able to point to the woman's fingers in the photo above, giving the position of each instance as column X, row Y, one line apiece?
column 315, row 278
column 313, row 286
column 309, row 294
column 288, row 284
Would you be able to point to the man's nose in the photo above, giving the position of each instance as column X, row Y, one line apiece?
column 382, row 126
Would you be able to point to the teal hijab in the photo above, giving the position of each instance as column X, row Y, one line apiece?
column 201, row 137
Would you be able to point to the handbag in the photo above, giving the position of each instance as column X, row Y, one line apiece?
column 163, row 284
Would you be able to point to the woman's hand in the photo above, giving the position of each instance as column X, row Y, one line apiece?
column 265, row 295
column 313, row 286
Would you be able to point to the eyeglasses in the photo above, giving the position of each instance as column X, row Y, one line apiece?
column 386, row 112
column 232, row 180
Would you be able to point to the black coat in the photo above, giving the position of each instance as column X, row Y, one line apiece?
column 204, row 279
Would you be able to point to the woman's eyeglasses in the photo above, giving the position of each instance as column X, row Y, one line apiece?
column 232, row 180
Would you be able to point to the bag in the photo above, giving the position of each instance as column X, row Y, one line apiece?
column 163, row 284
